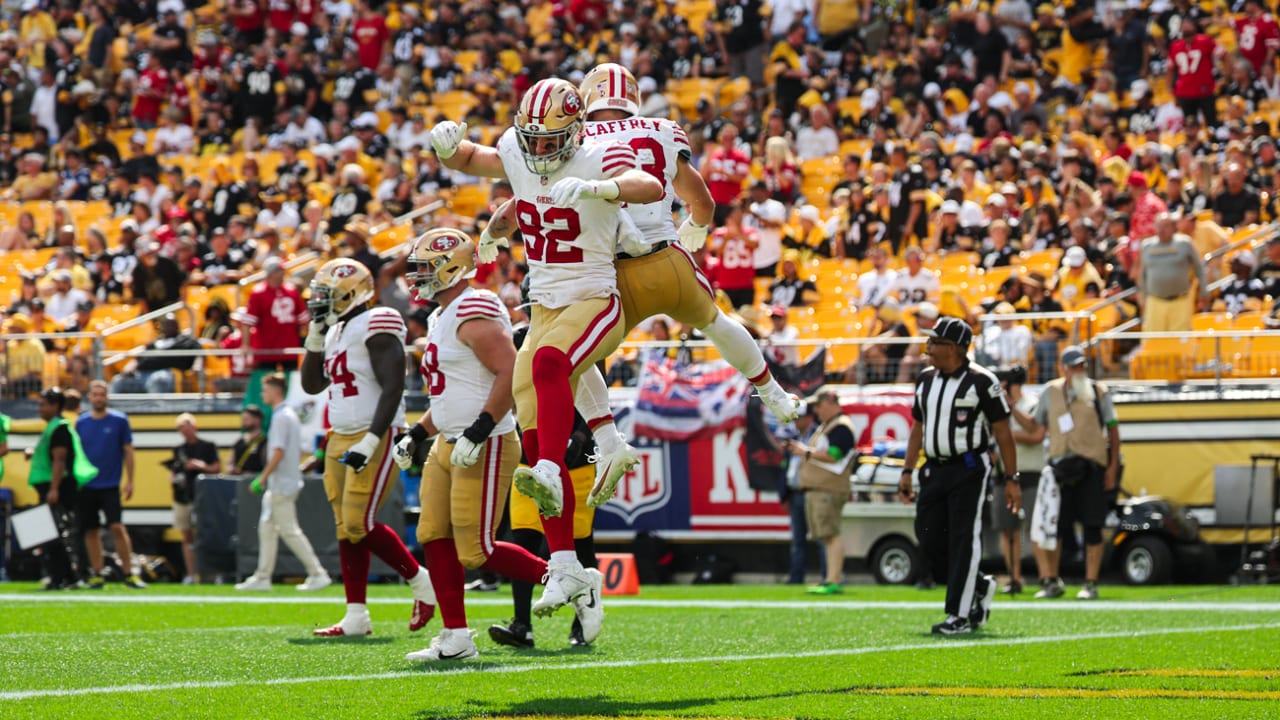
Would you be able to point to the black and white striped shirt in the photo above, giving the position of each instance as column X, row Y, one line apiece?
column 956, row 410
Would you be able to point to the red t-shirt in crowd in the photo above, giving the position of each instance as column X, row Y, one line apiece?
column 725, row 170
column 280, row 15
column 737, row 269
column 256, row 21
column 1193, row 64
column 274, row 317
column 153, row 90
column 371, row 38
column 1256, row 37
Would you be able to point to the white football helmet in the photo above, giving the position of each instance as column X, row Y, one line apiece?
column 440, row 259
column 339, row 286
column 548, row 124
column 610, row 86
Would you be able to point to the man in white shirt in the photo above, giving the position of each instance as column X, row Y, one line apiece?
column 916, row 284
column 818, row 139
column 301, row 128
column 44, row 105
column 874, row 284
column 280, row 482
column 1005, row 342
column 174, row 137
column 61, row 305
column 767, row 216
column 414, row 135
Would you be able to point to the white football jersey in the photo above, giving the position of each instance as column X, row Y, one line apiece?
column 659, row 144
column 570, row 250
column 353, row 388
column 456, row 381
column 910, row 289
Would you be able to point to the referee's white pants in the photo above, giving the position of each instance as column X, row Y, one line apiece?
column 279, row 521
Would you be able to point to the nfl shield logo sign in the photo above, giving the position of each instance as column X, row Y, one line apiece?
column 644, row 489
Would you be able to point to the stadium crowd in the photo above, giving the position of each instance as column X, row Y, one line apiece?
column 872, row 163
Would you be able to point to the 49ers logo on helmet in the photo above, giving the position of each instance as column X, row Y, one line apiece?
column 344, row 271
column 572, row 103
column 444, row 243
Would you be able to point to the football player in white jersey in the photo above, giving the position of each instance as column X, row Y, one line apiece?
column 660, row 278
column 356, row 351
column 565, row 195
column 467, row 367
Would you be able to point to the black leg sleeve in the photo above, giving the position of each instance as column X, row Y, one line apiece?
column 522, row 592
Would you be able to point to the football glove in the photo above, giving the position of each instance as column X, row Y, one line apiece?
column 256, row 485
column 569, row 190
column 692, row 235
column 357, row 457
column 402, row 453
column 466, row 449
column 487, row 250
column 446, row 137
column 315, row 336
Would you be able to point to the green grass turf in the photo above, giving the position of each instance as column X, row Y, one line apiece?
column 740, row 651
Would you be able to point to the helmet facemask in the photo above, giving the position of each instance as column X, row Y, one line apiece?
column 531, row 136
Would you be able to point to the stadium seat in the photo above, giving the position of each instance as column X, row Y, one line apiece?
column 1163, row 359
column 1220, row 356
column 1201, row 322
column 1249, row 321
column 1264, row 357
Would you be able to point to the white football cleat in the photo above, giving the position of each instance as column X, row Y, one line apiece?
column 316, row 582
column 255, row 583
column 541, row 483
column 784, row 406
column 589, row 607
column 450, row 644
column 564, row 582
column 610, row 469
column 351, row 625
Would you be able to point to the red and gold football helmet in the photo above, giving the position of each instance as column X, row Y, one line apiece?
column 339, row 286
column 548, row 124
column 610, row 86
column 440, row 259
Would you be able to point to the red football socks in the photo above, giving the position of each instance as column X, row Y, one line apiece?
column 354, row 560
column 387, row 545
column 516, row 563
column 448, row 576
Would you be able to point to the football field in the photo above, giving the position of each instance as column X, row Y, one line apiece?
column 675, row 651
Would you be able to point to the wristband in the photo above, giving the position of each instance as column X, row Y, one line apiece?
column 608, row 190
column 908, row 471
column 480, row 429
column 418, row 433
column 1013, row 477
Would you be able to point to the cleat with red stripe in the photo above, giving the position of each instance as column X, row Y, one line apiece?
column 422, row 614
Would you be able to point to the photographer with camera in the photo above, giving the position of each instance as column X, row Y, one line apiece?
column 1029, row 444
column 193, row 457
column 1084, row 454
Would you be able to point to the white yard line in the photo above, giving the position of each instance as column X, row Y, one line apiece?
column 36, row 598
column 480, row 667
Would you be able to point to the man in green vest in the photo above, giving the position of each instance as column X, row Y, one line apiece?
column 826, row 462
column 1084, row 453
column 58, row 469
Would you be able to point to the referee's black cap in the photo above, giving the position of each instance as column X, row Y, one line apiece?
column 952, row 329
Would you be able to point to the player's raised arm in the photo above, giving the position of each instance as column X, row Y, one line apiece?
column 458, row 153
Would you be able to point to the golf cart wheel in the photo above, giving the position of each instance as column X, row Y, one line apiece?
column 893, row 562
column 1146, row 561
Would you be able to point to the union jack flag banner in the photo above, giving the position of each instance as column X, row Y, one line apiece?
column 678, row 401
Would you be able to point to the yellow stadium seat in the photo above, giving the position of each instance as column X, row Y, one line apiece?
column 1264, row 356
column 469, row 200
column 1163, row 359
column 1249, row 321
column 392, row 237
column 732, row 90
column 230, row 294
column 455, row 104
column 1220, row 356
column 1210, row 321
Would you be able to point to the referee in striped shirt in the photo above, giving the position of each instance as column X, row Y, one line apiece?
column 959, row 410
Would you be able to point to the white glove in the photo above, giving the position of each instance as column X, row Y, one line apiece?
column 692, row 235
column 569, row 190
column 630, row 240
column 465, row 453
column 446, row 137
column 402, row 453
column 357, row 457
column 315, row 336
column 487, row 250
